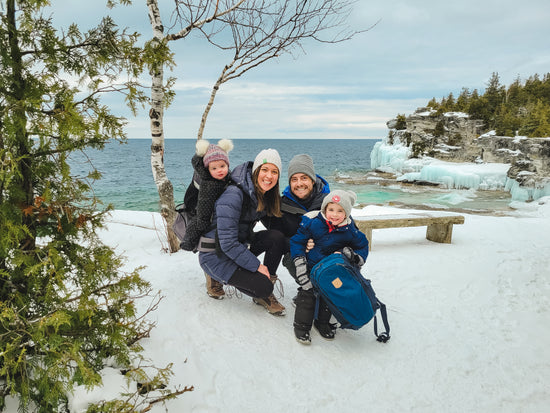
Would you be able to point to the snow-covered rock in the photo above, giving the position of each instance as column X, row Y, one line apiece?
column 449, row 150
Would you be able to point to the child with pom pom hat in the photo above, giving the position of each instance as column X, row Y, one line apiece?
column 211, row 165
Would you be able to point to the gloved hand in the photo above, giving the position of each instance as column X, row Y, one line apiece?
column 302, row 275
column 354, row 258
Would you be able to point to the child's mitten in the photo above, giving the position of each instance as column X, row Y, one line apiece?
column 354, row 258
column 302, row 274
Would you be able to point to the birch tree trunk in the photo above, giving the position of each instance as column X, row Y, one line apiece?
column 156, row 113
column 211, row 101
column 261, row 30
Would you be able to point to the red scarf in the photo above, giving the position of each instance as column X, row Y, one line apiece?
column 330, row 226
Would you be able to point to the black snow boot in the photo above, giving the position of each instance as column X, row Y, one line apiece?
column 303, row 315
column 322, row 323
column 302, row 336
column 326, row 331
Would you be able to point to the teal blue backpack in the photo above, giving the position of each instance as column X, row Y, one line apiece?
column 348, row 294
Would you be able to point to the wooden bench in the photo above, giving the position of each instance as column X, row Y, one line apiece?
column 440, row 226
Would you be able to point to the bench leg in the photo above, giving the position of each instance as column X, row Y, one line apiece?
column 368, row 234
column 440, row 233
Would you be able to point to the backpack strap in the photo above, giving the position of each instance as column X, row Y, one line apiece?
column 384, row 336
column 206, row 244
column 317, row 303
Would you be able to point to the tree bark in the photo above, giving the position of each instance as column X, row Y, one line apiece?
column 215, row 89
column 156, row 114
column 261, row 31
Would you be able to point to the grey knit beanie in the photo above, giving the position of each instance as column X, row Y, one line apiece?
column 302, row 164
column 268, row 156
column 346, row 199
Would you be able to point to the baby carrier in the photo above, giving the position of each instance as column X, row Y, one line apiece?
column 186, row 211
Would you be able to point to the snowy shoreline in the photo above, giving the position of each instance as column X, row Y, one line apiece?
column 396, row 159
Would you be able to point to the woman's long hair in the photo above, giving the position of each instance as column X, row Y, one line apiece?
column 270, row 201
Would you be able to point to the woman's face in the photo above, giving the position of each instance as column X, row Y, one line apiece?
column 267, row 177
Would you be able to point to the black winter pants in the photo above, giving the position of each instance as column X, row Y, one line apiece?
column 273, row 243
column 305, row 310
column 256, row 284
column 289, row 265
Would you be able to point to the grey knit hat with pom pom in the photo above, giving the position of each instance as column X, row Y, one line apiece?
column 346, row 199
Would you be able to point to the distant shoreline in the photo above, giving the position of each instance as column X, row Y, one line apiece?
column 481, row 212
column 275, row 139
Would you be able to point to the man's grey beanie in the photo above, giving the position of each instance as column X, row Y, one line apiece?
column 346, row 199
column 302, row 164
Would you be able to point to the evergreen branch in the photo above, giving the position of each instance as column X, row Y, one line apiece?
column 105, row 89
column 53, row 336
column 69, row 148
column 65, row 49
column 99, row 292
column 171, row 395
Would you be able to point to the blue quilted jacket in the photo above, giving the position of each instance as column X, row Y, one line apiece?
column 327, row 242
column 234, row 227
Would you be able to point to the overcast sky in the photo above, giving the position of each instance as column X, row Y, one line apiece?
column 418, row 50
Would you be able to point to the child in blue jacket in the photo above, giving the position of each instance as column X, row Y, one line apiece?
column 332, row 230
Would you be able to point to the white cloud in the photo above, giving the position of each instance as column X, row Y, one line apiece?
column 417, row 51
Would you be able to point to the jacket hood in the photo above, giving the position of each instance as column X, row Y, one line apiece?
column 242, row 177
column 320, row 189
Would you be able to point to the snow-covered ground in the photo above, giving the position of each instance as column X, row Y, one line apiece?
column 469, row 325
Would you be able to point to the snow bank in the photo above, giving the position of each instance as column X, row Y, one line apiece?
column 467, row 317
column 468, row 324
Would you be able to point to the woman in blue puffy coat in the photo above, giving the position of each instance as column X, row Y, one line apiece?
column 252, row 195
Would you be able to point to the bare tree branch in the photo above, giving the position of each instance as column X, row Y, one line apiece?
column 254, row 31
column 268, row 29
column 195, row 24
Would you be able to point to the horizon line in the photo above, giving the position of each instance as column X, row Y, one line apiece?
column 348, row 138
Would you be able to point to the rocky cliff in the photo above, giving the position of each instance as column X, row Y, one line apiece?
column 454, row 137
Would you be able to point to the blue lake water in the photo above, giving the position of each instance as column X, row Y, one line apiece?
column 128, row 183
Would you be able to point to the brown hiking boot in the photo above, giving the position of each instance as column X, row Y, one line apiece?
column 271, row 305
column 214, row 288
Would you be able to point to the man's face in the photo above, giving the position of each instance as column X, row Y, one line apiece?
column 301, row 185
